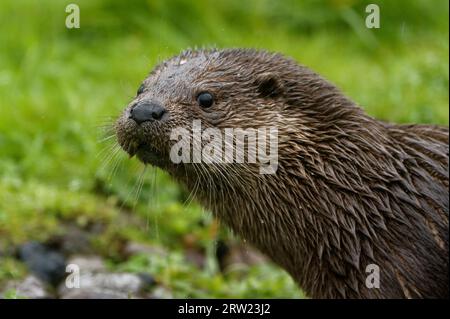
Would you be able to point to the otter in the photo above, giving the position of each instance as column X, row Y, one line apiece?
column 352, row 196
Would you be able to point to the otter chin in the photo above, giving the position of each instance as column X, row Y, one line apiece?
column 147, row 155
column 357, row 207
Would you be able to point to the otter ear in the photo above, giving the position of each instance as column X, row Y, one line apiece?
column 269, row 85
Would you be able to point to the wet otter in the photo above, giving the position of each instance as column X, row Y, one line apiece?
column 350, row 193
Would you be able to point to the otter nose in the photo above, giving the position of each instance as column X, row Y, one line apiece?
column 147, row 111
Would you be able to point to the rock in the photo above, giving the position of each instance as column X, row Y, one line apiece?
column 31, row 287
column 160, row 293
column 87, row 264
column 106, row 286
column 147, row 280
column 95, row 293
column 48, row 265
column 134, row 248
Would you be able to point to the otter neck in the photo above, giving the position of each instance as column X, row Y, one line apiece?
column 304, row 216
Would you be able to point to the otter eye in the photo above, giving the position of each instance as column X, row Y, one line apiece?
column 141, row 89
column 205, row 99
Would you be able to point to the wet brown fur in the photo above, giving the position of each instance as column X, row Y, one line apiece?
column 349, row 190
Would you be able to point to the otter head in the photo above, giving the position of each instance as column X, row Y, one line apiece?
column 233, row 88
column 219, row 89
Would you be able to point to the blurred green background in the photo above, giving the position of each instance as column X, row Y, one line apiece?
column 61, row 88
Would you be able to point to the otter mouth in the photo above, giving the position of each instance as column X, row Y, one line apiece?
column 143, row 151
column 147, row 154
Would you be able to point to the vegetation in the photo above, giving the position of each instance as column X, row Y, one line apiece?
column 60, row 88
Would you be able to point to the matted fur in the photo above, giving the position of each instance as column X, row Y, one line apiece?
column 349, row 191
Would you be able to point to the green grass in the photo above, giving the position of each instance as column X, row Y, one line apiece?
column 59, row 86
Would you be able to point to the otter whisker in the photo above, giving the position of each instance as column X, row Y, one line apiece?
column 116, row 164
column 108, row 148
column 140, row 184
column 193, row 191
column 107, row 138
column 109, row 154
column 156, row 204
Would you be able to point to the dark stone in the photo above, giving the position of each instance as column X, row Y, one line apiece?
column 48, row 265
column 148, row 281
